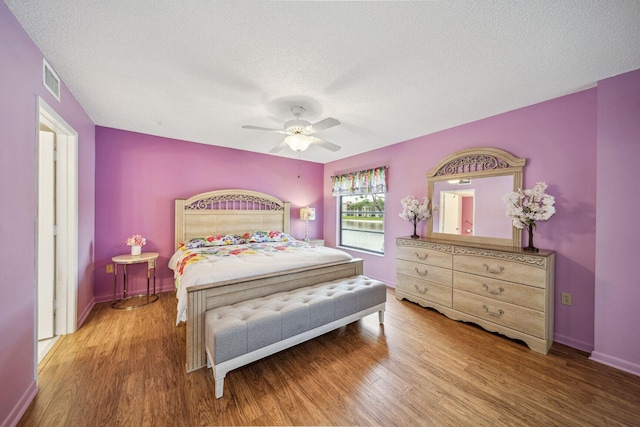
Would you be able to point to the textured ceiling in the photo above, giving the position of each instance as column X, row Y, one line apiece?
column 389, row 71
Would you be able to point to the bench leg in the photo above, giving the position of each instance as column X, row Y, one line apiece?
column 219, row 387
column 381, row 316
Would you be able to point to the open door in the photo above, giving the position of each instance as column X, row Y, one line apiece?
column 57, row 230
column 46, row 235
column 451, row 216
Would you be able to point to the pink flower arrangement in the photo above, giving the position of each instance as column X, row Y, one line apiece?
column 525, row 207
column 415, row 210
column 136, row 240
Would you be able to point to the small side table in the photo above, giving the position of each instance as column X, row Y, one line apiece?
column 316, row 242
column 124, row 260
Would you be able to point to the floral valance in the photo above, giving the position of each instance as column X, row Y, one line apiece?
column 363, row 182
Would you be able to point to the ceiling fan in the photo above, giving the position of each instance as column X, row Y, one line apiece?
column 300, row 133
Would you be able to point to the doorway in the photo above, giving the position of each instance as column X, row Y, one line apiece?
column 457, row 212
column 57, row 229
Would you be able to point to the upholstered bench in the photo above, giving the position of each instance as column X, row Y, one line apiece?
column 238, row 334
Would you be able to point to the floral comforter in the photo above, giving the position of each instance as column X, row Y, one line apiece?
column 203, row 265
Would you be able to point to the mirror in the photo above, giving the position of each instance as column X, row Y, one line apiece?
column 469, row 208
column 465, row 192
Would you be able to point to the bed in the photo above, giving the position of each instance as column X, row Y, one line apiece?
column 206, row 223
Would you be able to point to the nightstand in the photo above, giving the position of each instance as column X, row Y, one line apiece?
column 316, row 242
column 124, row 260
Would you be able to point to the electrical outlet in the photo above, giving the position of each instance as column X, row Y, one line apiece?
column 566, row 298
column 109, row 268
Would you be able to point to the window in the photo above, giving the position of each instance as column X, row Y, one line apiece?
column 362, row 222
column 361, row 206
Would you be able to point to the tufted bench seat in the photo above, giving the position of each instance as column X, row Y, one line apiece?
column 238, row 334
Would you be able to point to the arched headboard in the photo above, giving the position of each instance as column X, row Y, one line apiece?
column 229, row 211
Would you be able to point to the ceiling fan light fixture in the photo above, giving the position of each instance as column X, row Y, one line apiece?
column 299, row 133
column 298, row 142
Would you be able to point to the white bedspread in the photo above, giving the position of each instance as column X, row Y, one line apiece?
column 213, row 264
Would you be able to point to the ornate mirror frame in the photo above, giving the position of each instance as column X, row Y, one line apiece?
column 479, row 162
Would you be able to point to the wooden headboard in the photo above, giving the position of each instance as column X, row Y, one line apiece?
column 229, row 211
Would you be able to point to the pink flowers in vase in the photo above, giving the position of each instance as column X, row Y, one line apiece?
column 414, row 210
column 525, row 207
column 136, row 240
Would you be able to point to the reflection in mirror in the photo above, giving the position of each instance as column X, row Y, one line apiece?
column 474, row 208
column 457, row 212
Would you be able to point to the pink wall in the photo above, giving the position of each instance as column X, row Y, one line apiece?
column 20, row 84
column 466, row 227
column 558, row 139
column 138, row 177
column 617, row 237
column 131, row 186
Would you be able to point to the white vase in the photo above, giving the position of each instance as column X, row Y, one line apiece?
column 136, row 250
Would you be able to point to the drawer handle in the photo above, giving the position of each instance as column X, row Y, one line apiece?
column 492, row 271
column 423, row 257
column 421, row 273
column 493, row 292
column 422, row 291
column 491, row 313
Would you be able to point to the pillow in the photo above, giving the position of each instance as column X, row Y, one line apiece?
column 219, row 240
column 267, row 236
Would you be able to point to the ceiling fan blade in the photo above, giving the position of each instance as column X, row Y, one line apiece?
column 325, row 144
column 278, row 148
column 327, row 123
column 267, row 129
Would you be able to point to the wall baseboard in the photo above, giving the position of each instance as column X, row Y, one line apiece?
column 623, row 365
column 108, row 298
column 21, row 406
column 580, row 345
column 85, row 313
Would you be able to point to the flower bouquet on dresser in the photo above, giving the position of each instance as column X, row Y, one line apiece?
column 136, row 242
column 414, row 210
column 525, row 207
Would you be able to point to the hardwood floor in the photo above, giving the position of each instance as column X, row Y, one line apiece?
column 420, row 368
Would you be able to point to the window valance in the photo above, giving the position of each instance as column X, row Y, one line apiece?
column 362, row 182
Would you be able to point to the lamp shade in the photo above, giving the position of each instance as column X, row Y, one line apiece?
column 308, row 214
column 298, row 142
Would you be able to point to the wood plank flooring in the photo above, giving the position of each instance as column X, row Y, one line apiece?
column 419, row 369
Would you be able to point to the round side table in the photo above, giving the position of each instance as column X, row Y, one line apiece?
column 124, row 260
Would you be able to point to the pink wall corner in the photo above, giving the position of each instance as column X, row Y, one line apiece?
column 74, row 115
column 558, row 139
column 138, row 177
column 467, row 216
column 617, row 290
column 21, row 77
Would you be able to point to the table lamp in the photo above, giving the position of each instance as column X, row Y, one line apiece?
column 307, row 214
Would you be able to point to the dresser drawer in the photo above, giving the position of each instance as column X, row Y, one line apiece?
column 522, row 319
column 523, row 295
column 426, row 256
column 425, row 290
column 442, row 276
column 501, row 269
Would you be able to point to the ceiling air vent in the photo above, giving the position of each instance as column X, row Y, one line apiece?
column 50, row 79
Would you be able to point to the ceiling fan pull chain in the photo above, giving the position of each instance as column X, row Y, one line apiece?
column 298, row 164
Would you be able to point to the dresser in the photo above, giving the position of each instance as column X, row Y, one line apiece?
column 502, row 289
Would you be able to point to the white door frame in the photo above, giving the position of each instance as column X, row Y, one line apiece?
column 67, row 219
